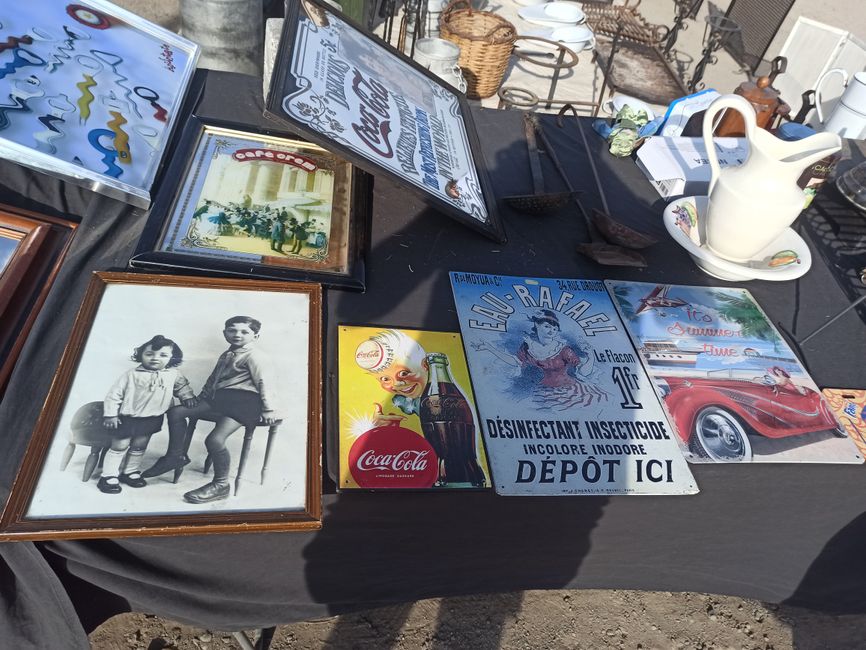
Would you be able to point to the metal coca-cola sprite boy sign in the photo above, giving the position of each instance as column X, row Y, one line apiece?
column 565, row 405
column 407, row 415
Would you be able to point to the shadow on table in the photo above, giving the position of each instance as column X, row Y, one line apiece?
column 828, row 607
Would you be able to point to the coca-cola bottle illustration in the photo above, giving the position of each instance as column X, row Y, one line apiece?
column 448, row 425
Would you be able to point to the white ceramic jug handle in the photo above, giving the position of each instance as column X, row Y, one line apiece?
column 820, row 84
column 734, row 102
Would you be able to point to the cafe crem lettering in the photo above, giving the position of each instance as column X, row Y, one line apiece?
column 375, row 123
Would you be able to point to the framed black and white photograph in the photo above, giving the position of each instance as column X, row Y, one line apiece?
column 258, row 204
column 92, row 93
column 181, row 405
column 357, row 96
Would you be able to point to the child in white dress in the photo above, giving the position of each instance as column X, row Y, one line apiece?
column 135, row 406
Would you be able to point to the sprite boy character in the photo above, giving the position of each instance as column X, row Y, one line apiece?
column 399, row 364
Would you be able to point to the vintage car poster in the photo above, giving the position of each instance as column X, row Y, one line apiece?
column 849, row 406
column 564, row 402
column 733, row 389
column 407, row 414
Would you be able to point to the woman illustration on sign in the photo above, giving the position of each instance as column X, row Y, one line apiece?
column 562, row 369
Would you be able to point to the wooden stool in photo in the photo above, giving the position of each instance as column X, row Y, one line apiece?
column 87, row 428
column 248, row 437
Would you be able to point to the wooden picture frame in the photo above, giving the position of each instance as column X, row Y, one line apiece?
column 235, row 185
column 341, row 87
column 96, row 92
column 32, row 247
column 118, row 309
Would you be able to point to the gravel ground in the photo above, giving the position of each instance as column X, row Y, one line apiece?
column 553, row 620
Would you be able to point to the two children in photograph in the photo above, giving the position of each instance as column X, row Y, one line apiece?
column 239, row 392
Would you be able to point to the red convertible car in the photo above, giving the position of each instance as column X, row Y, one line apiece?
column 714, row 415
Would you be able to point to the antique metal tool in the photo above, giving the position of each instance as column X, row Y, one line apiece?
column 612, row 229
column 596, row 249
column 539, row 202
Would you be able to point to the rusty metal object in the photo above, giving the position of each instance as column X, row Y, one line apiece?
column 539, row 202
column 596, row 249
column 612, row 229
column 607, row 20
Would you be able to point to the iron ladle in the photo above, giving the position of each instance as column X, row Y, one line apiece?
column 612, row 229
column 539, row 202
column 597, row 249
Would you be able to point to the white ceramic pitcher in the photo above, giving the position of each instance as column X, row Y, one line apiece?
column 848, row 116
column 751, row 204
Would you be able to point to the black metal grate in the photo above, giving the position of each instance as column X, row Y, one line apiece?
column 759, row 20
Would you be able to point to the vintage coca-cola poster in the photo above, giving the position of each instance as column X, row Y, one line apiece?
column 733, row 389
column 348, row 91
column 407, row 415
column 565, row 405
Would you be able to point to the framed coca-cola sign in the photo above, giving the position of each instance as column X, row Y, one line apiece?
column 357, row 96
column 407, row 413
column 181, row 405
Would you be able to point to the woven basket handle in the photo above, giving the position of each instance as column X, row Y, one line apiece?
column 454, row 5
column 489, row 35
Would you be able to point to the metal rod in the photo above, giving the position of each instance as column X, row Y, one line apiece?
column 548, row 147
column 608, row 68
column 835, row 318
column 592, row 165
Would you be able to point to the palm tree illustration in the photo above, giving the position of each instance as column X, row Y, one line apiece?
column 625, row 304
column 741, row 310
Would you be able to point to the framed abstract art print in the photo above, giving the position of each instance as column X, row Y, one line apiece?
column 259, row 204
column 90, row 92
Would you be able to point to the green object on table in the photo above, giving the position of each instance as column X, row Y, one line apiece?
column 624, row 136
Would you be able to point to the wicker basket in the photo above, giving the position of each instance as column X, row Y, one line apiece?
column 485, row 41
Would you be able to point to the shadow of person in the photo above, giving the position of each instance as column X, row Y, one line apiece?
column 834, row 585
column 380, row 549
column 834, row 582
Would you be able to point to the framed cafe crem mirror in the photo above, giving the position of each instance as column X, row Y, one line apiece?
column 357, row 96
column 182, row 405
column 258, row 204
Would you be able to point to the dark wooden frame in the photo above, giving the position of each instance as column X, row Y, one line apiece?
column 15, row 526
column 147, row 256
column 283, row 84
column 27, row 278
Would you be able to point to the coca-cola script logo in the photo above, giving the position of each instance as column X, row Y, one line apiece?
column 393, row 457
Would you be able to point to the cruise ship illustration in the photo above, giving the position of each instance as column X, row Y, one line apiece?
column 668, row 353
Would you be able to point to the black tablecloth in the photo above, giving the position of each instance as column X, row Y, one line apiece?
column 773, row 532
